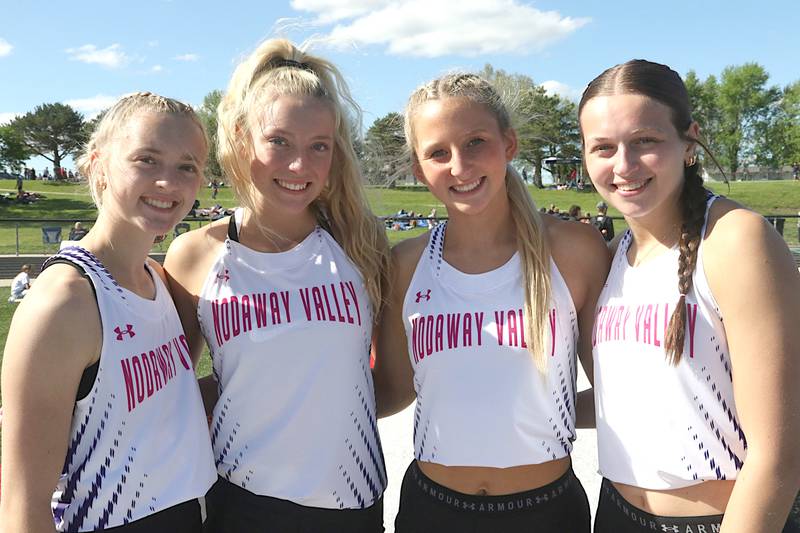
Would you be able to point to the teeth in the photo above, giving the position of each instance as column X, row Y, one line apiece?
column 157, row 203
column 292, row 186
column 468, row 187
column 627, row 187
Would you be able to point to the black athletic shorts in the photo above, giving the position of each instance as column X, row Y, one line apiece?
column 616, row 515
column 426, row 506
column 232, row 509
column 181, row 518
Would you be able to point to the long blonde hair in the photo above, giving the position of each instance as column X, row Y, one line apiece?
column 531, row 240
column 279, row 68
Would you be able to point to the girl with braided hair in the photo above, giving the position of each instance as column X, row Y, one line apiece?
column 695, row 339
column 284, row 293
column 484, row 322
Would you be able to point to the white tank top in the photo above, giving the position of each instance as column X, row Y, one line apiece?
column 659, row 426
column 480, row 399
column 290, row 337
column 139, row 440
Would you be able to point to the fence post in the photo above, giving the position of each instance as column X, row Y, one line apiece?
column 16, row 227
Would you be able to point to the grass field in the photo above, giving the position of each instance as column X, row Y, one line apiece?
column 71, row 202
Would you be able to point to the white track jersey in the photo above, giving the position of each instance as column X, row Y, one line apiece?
column 139, row 440
column 659, row 426
column 290, row 336
column 480, row 399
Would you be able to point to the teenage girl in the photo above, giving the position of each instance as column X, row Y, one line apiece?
column 98, row 382
column 695, row 341
column 284, row 293
column 483, row 326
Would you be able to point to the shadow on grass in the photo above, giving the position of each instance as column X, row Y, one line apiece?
column 50, row 207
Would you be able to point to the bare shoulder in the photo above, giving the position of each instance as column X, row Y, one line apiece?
column 406, row 254
column 63, row 302
column 582, row 258
column 733, row 231
column 194, row 251
column 742, row 251
column 574, row 242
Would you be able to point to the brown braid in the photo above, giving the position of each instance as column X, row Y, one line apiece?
column 693, row 203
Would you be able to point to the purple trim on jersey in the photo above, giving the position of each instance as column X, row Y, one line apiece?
column 737, row 462
column 89, row 261
column 359, row 498
column 227, row 448
column 218, row 423
column 377, row 459
column 76, row 441
column 72, row 481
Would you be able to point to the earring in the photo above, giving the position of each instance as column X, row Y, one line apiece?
column 691, row 162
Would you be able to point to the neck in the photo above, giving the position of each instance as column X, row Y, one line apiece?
column 123, row 251
column 267, row 233
column 480, row 243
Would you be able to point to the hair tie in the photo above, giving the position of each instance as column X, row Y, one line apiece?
column 291, row 63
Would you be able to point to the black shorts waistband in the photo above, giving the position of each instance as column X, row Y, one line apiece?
column 611, row 501
column 507, row 503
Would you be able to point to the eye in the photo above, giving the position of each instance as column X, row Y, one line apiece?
column 437, row 154
column 149, row 160
column 278, row 141
column 190, row 168
column 646, row 140
column 320, row 147
column 601, row 148
column 477, row 141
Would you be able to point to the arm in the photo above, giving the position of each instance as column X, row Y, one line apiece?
column 40, row 378
column 754, row 280
column 188, row 261
column 585, row 279
column 393, row 374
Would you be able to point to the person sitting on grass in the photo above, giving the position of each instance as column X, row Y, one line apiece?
column 21, row 284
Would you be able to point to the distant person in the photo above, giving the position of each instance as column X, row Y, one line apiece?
column 574, row 213
column 19, row 185
column 603, row 222
column 214, row 189
column 21, row 284
column 796, row 170
column 77, row 232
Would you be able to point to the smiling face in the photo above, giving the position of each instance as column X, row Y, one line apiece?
column 462, row 154
column 293, row 143
column 151, row 170
column 634, row 155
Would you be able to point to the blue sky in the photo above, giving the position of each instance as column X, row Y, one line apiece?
column 88, row 52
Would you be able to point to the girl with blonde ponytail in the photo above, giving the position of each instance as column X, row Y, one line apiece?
column 695, row 341
column 484, row 320
column 285, row 293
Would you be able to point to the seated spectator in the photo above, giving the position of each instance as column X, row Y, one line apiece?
column 78, row 232
column 574, row 213
column 20, row 284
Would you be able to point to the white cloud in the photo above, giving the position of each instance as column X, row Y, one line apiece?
column 157, row 68
column 561, row 89
column 8, row 117
column 152, row 44
column 329, row 11
column 111, row 56
column 5, row 47
column 433, row 28
column 186, row 57
column 91, row 107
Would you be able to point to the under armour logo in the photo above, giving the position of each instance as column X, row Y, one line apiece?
column 426, row 295
column 670, row 528
column 224, row 276
column 120, row 332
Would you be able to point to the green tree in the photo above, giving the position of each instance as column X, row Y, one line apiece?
column 52, row 131
column 384, row 151
column 208, row 116
column 13, row 152
column 547, row 125
column 746, row 104
column 703, row 98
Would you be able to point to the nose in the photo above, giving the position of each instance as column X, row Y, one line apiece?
column 459, row 165
column 297, row 162
column 625, row 162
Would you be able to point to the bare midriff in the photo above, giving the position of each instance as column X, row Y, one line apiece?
column 488, row 481
column 707, row 498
